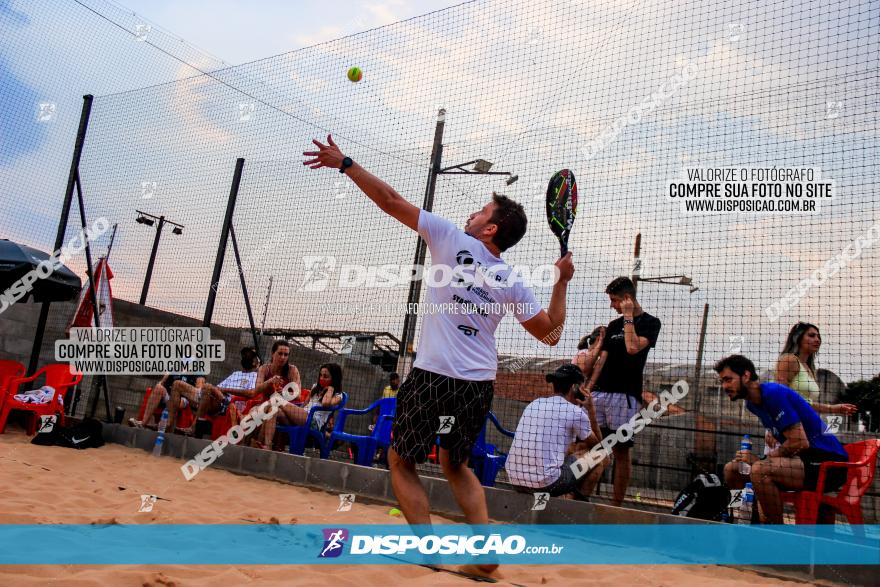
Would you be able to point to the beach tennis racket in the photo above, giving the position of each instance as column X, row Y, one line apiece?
column 562, row 202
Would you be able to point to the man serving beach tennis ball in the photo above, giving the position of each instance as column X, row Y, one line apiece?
column 454, row 371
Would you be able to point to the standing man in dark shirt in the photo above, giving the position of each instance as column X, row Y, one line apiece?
column 616, row 383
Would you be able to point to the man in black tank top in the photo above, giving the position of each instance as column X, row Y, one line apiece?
column 616, row 382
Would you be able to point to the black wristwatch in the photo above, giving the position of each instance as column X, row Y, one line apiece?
column 628, row 321
column 346, row 163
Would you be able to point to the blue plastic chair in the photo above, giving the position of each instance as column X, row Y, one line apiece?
column 379, row 438
column 486, row 459
column 299, row 435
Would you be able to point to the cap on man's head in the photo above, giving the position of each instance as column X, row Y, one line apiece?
column 567, row 373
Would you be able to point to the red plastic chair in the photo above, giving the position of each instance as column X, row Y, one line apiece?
column 220, row 425
column 185, row 417
column 861, row 468
column 59, row 377
column 8, row 371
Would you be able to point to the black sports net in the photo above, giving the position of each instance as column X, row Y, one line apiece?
column 640, row 101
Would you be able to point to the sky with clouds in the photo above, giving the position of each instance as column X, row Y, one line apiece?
column 527, row 85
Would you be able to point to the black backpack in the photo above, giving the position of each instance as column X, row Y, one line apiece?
column 86, row 434
column 705, row 498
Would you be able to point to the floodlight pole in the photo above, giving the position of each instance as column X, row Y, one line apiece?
column 699, row 366
column 224, row 238
column 62, row 223
column 162, row 222
column 244, row 290
column 146, row 287
column 415, row 287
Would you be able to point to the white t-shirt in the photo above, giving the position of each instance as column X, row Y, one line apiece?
column 548, row 425
column 239, row 380
column 459, row 341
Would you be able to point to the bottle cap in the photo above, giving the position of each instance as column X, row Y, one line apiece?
column 748, row 485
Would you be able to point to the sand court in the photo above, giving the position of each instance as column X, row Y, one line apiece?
column 104, row 486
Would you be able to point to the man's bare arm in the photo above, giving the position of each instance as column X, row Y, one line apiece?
column 384, row 196
column 795, row 442
column 597, row 370
column 547, row 325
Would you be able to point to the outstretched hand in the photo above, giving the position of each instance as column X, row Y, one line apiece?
column 327, row 155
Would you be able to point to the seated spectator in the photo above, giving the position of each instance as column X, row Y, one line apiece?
column 589, row 351
column 802, row 440
column 213, row 400
column 796, row 368
column 551, row 435
column 160, row 397
column 392, row 387
column 281, row 373
column 327, row 392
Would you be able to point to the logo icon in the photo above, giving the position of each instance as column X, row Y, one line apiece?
column 734, row 31
column 541, row 501
column 468, row 330
column 318, row 273
column 147, row 502
column 347, row 345
column 245, row 110
column 334, row 542
column 46, row 111
column 535, row 35
column 148, row 189
column 346, row 500
column 833, row 109
column 735, row 344
column 736, row 498
column 834, row 422
column 141, row 31
column 47, row 423
column 446, row 424
column 339, row 189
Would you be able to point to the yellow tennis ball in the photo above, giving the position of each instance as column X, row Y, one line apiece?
column 395, row 512
column 355, row 74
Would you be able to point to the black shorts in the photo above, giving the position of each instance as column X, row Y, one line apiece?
column 431, row 406
column 812, row 459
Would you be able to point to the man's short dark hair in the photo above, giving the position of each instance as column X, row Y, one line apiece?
column 394, row 376
column 738, row 364
column 621, row 286
column 511, row 220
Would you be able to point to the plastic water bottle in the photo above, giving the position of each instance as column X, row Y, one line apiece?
column 746, row 447
column 160, row 439
column 748, row 503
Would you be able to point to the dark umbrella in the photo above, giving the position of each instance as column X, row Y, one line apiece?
column 17, row 260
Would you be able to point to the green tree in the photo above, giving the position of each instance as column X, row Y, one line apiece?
column 866, row 395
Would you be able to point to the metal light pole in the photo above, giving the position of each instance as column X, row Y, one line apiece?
column 62, row 224
column 415, row 288
column 637, row 262
column 144, row 218
column 699, row 366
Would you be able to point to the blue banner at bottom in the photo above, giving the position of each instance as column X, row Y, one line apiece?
column 440, row 544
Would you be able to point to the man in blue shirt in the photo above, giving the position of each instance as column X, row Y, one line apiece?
column 803, row 442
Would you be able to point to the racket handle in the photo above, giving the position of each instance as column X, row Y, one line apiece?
column 563, row 249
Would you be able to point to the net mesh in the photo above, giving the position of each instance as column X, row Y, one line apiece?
column 627, row 95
